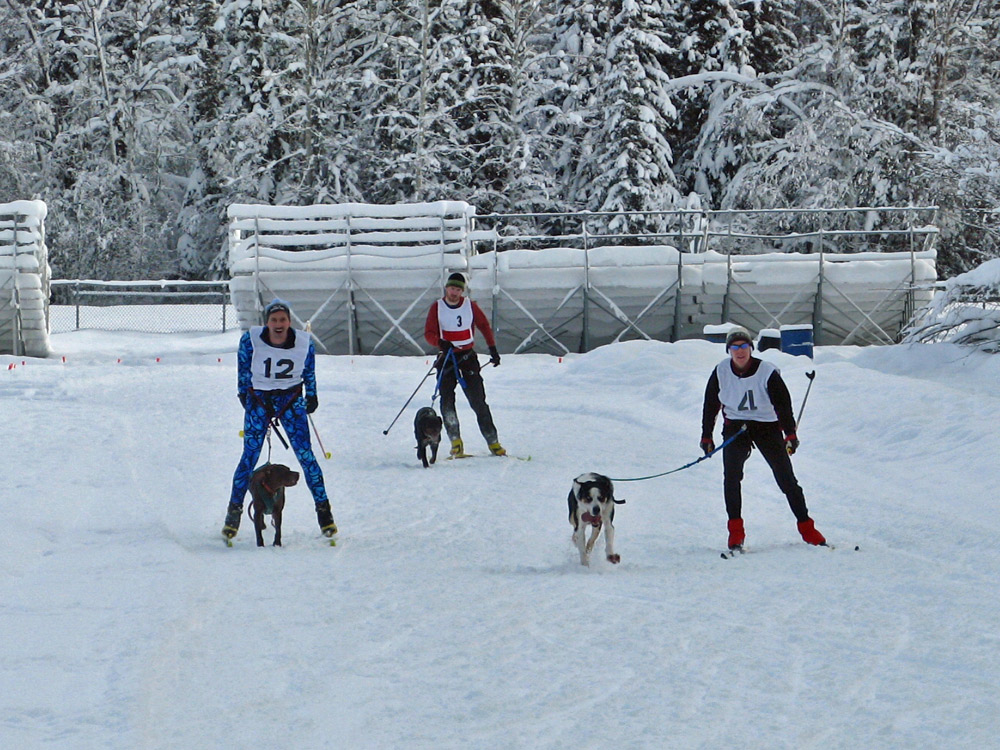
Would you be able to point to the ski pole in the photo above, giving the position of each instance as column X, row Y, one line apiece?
column 811, row 375
column 386, row 430
column 319, row 440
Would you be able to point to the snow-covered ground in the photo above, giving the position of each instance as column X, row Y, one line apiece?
column 453, row 613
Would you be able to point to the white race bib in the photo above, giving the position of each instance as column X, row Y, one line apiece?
column 456, row 323
column 746, row 399
column 276, row 369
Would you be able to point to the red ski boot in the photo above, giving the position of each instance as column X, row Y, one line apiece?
column 809, row 534
column 736, row 533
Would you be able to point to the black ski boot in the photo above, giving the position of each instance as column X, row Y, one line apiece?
column 325, row 518
column 232, row 524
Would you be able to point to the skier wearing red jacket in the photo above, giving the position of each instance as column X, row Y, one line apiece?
column 752, row 395
column 451, row 324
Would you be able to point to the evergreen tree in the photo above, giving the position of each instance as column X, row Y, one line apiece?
column 710, row 39
column 201, row 223
column 571, row 111
column 631, row 168
column 485, row 117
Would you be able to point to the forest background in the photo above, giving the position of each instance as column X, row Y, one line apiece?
column 139, row 122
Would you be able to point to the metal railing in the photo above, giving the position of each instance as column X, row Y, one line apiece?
column 729, row 231
column 166, row 306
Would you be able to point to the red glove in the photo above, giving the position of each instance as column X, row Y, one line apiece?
column 791, row 443
column 707, row 445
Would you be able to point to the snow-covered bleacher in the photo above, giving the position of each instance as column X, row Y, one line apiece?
column 363, row 277
column 24, row 279
column 355, row 272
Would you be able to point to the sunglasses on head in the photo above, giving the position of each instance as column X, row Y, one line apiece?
column 744, row 345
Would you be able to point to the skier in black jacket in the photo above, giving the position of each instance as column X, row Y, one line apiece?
column 751, row 394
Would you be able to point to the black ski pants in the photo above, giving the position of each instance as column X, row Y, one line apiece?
column 475, row 392
column 770, row 442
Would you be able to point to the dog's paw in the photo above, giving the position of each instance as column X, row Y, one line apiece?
column 614, row 559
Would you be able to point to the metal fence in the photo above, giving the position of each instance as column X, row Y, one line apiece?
column 726, row 231
column 140, row 306
column 855, row 274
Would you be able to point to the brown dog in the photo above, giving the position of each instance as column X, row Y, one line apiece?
column 267, row 490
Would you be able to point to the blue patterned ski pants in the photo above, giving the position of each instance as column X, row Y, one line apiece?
column 295, row 422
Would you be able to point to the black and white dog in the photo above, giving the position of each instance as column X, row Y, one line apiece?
column 592, row 503
column 427, row 430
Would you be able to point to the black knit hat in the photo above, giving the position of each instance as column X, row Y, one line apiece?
column 738, row 334
column 456, row 279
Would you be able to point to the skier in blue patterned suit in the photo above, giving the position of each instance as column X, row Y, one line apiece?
column 276, row 379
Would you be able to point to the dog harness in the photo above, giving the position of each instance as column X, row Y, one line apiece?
column 269, row 496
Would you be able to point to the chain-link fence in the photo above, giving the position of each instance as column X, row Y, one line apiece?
column 143, row 306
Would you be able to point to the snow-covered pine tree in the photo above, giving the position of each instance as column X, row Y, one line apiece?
column 770, row 27
column 311, row 98
column 27, row 74
column 405, row 98
column 631, row 165
column 570, row 109
column 496, row 54
column 713, row 50
column 105, row 133
column 855, row 121
column 201, row 223
column 535, row 75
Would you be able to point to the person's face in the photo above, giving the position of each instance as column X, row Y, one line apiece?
column 740, row 352
column 278, row 323
column 453, row 294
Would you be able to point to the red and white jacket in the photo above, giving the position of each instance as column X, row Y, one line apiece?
column 457, row 324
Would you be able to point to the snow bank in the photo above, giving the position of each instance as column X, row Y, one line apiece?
column 453, row 613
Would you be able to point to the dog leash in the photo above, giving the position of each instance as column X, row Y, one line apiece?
column 458, row 373
column 273, row 414
column 726, row 442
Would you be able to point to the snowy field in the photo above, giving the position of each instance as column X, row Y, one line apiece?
column 453, row 613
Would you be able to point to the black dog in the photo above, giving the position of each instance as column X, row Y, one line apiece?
column 267, row 490
column 427, row 430
column 592, row 503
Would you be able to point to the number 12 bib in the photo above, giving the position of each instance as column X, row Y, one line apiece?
column 273, row 368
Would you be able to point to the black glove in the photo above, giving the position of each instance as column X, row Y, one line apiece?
column 311, row 403
column 791, row 443
column 494, row 356
column 445, row 347
column 707, row 445
column 242, row 396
